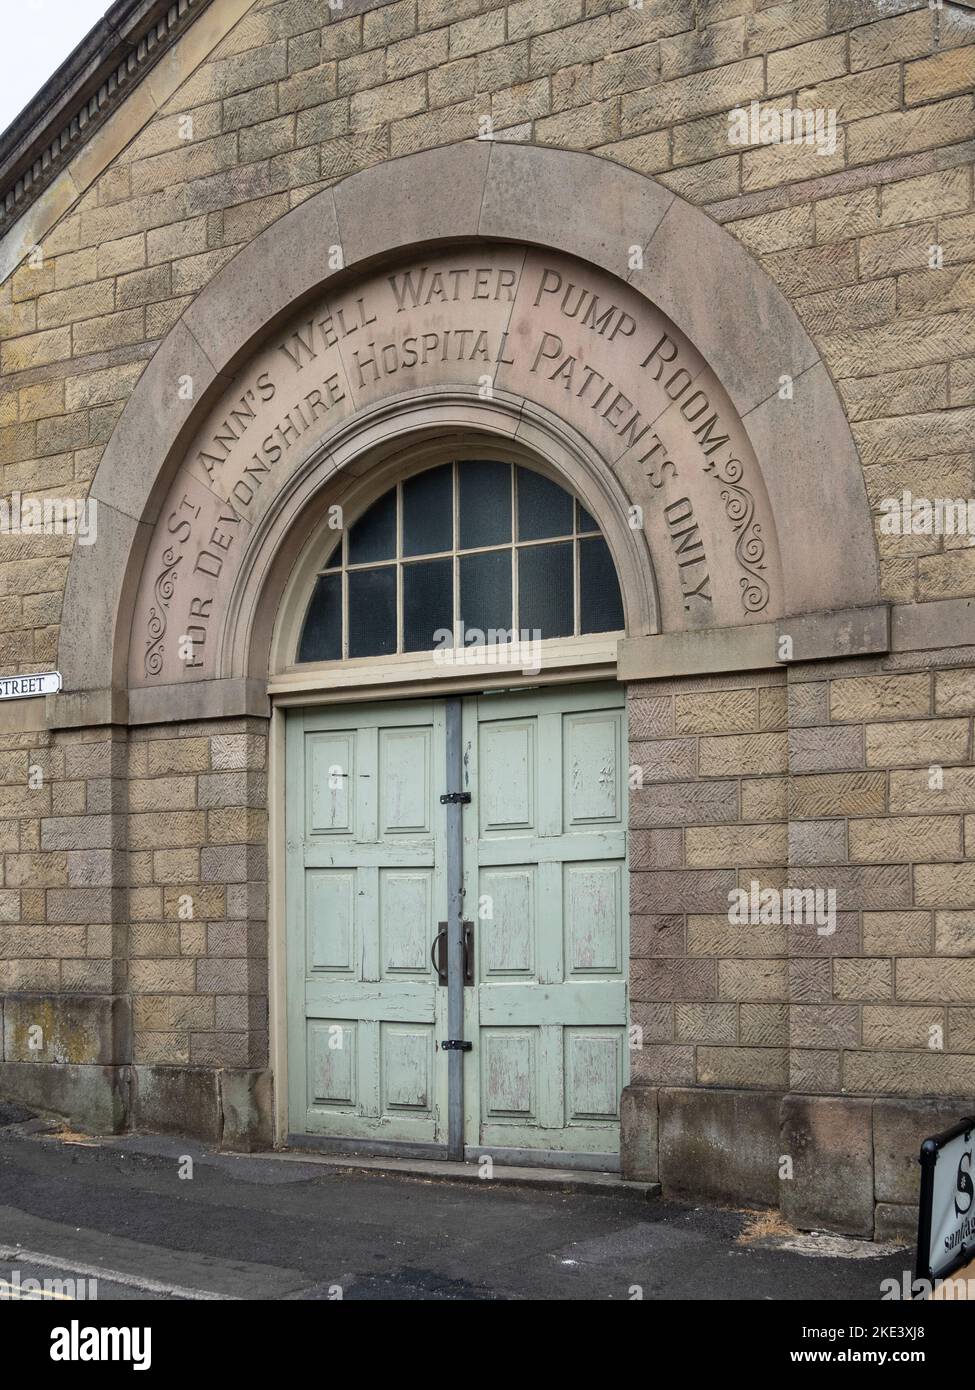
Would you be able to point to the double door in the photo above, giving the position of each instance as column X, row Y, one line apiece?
column 541, row 778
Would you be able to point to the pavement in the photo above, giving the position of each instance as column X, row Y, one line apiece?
column 133, row 1215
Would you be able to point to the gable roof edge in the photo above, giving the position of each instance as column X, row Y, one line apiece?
column 113, row 57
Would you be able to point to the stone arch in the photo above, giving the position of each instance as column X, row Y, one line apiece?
column 683, row 264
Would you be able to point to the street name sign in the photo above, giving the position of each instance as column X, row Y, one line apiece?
column 27, row 687
column 946, row 1216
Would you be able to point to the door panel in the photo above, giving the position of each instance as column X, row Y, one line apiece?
column 331, row 771
column 408, row 1068
column 330, row 914
column 592, row 910
column 365, row 892
column 405, row 914
column 593, row 1073
column 506, row 757
column 331, row 1063
column 592, row 772
column 404, row 782
column 507, row 946
column 509, row 1070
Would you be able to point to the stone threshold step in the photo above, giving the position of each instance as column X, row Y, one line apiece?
column 592, row 1183
column 568, row 1180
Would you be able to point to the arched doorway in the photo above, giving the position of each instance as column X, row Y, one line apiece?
column 516, row 795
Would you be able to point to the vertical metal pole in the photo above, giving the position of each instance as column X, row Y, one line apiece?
column 455, row 933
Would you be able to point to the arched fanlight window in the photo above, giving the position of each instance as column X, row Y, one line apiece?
column 477, row 548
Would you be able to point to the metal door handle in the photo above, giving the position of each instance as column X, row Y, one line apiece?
column 468, row 953
column 437, row 956
column 437, row 953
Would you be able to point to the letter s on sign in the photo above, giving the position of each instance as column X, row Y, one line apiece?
column 963, row 1183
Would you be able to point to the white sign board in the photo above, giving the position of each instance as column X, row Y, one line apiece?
column 26, row 687
column 946, row 1218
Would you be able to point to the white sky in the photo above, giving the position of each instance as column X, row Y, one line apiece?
column 35, row 38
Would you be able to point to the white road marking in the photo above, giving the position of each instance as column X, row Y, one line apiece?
column 108, row 1276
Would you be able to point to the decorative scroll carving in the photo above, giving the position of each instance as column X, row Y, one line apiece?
column 163, row 589
column 739, row 508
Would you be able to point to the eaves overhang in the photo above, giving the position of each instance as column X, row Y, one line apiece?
column 110, row 61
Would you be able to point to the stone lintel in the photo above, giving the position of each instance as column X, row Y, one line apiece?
column 219, row 699
column 705, row 652
column 165, row 704
column 946, row 622
column 833, row 635
column 826, row 636
column 81, row 709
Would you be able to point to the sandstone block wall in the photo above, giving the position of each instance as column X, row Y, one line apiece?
column 854, row 777
column 135, row 917
column 712, row 815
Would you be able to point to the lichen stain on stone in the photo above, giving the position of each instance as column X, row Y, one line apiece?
column 62, row 1038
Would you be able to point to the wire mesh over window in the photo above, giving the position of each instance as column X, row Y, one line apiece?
column 461, row 554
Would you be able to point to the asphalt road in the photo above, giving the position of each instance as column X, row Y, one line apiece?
column 243, row 1227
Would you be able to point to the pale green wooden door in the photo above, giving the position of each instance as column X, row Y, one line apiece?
column 544, row 885
column 365, row 891
column 544, row 852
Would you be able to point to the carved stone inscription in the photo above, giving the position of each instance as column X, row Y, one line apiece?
column 533, row 324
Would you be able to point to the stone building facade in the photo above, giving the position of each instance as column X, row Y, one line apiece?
column 216, row 223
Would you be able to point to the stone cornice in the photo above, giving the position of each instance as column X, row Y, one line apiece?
column 88, row 86
column 876, row 631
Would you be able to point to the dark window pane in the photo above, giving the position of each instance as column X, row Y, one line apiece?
column 600, row 604
column 321, row 637
column 485, row 593
column 484, row 505
column 428, row 604
column 334, row 560
column 545, row 594
column 544, row 509
column 372, row 612
column 373, row 537
column 428, row 512
column 586, row 522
